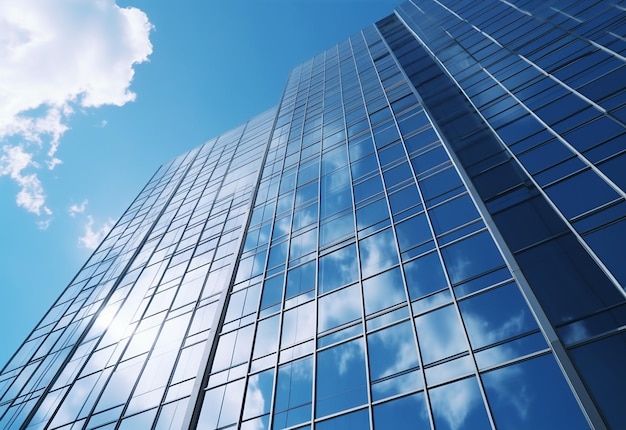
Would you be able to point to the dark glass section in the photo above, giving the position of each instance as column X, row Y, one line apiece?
column 563, row 276
column 547, row 401
column 607, row 381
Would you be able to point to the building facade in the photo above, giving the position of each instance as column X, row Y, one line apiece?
column 427, row 232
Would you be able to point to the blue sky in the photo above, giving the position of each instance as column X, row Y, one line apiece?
column 95, row 95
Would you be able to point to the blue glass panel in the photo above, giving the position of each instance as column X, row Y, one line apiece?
column 608, row 243
column 341, row 382
column 424, row 276
column 338, row 268
column 496, row 315
column 272, row 291
column 419, row 141
column 392, row 352
column 397, row 175
column 298, row 324
column 258, row 394
column 580, row 193
column 300, row 280
column 404, row 413
column 303, row 244
column 378, row 252
column 532, row 394
column 334, row 159
column 364, row 166
column 392, row 153
column 306, row 193
column 266, row 339
column 579, row 279
column 294, row 391
column 501, row 353
column 339, row 307
column 405, row 198
column 440, row 334
column 606, row 379
column 470, row 257
column 452, row 214
column 372, row 214
column 424, row 161
column 440, row 186
column 459, row 406
column 360, row 147
column 368, row 188
column 278, row 254
column 353, row 420
column 221, row 405
column 303, row 217
column 383, row 291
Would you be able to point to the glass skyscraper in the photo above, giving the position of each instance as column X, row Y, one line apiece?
column 427, row 232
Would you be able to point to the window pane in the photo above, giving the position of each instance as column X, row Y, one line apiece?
column 440, row 334
column 496, row 315
column 341, row 382
column 294, row 393
column 470, row 257
column 338, row 268
column 392, row 352
column 298, row 324
column 339, row 308
column 259, row 394
column 383, row 290
column 424, row 276
column 300, row 280
column 354, row 420
column 378, row 252
column 407, row 412
column 372, row 214
column 459, row 406
column 337, row 228
column 608, row 380
column 266, row 337
column 518, row 403
column 413, row 232
column 452, row 214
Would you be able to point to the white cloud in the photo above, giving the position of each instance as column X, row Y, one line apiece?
column 78, row 209
column 91, row 238
column 44, row 224
column 31, row 195
column 57, row 57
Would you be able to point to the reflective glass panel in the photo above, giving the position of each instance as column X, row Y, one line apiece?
column 341, row 382
column 440, row 334
column 294, row 391
column 258, row 394
column 404, row 413
column 532, row 394
column 459, row 406
column 378, row 252
column 496, row 315
column 338, row 268
column 470, row 257
column 383, row 290
column 339, row 307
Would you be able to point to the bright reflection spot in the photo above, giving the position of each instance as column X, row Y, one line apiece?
column 106, row 321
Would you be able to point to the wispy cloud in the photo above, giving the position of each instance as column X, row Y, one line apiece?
column 93, row 235
column 78, row 209
column 13, row 161
column 56, row 58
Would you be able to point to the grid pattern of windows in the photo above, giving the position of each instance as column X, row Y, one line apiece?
column 427, row 232
column 123, row 344
column 371, row 291
column 542, row 91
